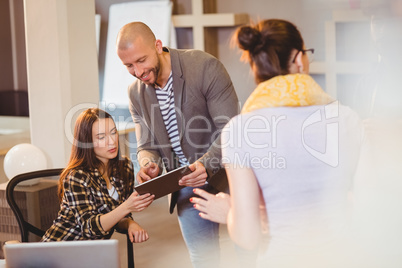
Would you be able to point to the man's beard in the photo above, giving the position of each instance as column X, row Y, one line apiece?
column 156, row 70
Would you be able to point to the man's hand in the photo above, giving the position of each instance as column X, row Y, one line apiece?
column 212, row 207
column 147, row 172
column 197, row 177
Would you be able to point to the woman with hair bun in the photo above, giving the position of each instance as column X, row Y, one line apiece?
column 290, row 156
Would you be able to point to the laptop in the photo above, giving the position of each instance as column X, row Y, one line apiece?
column 65, row 254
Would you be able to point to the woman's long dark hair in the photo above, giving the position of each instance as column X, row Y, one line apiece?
column 83, row 154
column 268, row 47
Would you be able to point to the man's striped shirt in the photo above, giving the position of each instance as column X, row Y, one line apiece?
column 165, row 98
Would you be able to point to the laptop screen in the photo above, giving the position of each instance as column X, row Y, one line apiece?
column 66, row 254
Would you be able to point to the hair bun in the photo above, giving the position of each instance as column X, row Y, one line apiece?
column 248, row 38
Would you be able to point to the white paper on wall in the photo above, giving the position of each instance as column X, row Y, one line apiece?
column 158, row 16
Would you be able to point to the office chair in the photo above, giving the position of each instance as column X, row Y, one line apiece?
column 26, row 227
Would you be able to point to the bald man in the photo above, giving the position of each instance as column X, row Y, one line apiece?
column 179, row 104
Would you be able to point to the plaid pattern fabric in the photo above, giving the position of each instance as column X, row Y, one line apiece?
column 85, row 199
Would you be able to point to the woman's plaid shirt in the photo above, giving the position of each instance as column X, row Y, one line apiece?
column 85, row 199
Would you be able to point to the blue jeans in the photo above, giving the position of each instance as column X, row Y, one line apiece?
column 201, row 236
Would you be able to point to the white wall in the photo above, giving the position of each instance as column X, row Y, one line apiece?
column 309, row 15
column 62, row 71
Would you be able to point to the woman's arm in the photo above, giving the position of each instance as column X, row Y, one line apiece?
column 135, row 232
column 79, row 197
column 243, row 220
column 135, row 203
column 121, row 215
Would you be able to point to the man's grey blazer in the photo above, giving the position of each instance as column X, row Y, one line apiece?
column 205, row 101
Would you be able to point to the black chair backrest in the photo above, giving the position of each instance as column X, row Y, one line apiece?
column 24, row 225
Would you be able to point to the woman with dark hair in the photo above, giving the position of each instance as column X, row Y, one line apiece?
column 290, row 156
column 96, row 188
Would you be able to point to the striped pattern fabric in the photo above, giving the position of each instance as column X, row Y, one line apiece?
column 165, row 98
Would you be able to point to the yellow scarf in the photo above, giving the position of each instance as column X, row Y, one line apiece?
column 286, row 90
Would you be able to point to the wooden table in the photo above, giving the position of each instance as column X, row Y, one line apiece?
column 13, row 130
column 125, row 128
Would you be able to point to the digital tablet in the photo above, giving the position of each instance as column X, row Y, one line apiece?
column 164, row 184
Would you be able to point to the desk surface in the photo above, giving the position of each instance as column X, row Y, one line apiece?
column 13, row 130
column 43, row 184
column 124, row 127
